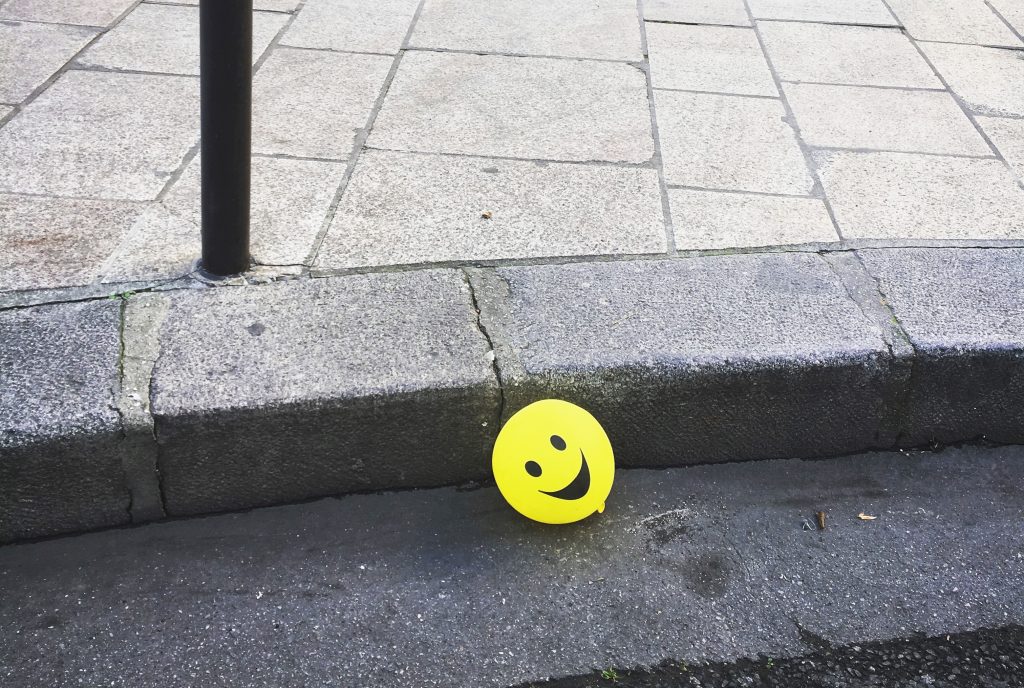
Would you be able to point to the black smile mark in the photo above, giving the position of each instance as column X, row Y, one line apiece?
column 579, row 486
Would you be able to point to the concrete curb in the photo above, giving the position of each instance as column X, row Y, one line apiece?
column 276, row 393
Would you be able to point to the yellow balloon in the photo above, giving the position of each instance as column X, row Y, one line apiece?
column 553, row 462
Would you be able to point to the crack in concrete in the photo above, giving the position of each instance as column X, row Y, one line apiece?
column 495, row 365
column 140, row 322
column 902, row 398
column 863, row 290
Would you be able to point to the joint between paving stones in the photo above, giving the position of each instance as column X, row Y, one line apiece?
column 817, row 189
column 646, row 164
column 196, row 147
column 1003, row 19
column 656, row 159
column 69, row 64
column 141, row 318
column 968, row 112
column 15, row 300
column 359, row 144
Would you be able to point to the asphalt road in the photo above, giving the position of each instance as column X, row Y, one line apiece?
column 712, row 565
column 986, row 658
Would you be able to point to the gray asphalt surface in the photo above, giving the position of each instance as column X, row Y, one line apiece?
column 449, row 587
column 986, row 658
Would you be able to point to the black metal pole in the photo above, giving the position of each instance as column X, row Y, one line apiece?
column 225, row 84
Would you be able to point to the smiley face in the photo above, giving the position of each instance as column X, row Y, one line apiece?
column 553, row 462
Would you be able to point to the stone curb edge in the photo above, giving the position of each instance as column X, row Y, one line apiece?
column 235, row 397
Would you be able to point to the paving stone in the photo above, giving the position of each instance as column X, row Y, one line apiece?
column 165, row 38
column 723, row 12
column 956, row 21
column 86, row 12
column 604, row 29
column 903, row 195
column 313, row 103
column 872, row 12
column 58, row 242
column 410, row 377
column 31, row 53
column 729, row 142
column 708, row 58
column 104, row 135
column 887, row 119
column 159, row 244
column 961, row 309
column 775, row 359
column 290, row 200
column 1008, row 136
column 857, row 55
column 989, row 80
column 517, row 107
column 60, row 469
column 378, row 27
column 413, row 208
column 1012, row 11
column 714, row 220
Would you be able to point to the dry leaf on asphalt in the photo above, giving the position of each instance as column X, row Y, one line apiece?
column 821, row 520
column 864, row 517
column 486, row 215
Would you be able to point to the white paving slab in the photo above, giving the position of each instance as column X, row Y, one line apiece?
column 956, row 21
column 729, row 142
column 85, row 12
column 313, row 103
column 31, row 53
column 402, row 208
column 1012, row 11
column 715, row 220
column 905, row 195
column 883, row 119
column 871, row 12
column 990, row 80
column 165, row 38
column 101, row 135
column 1008, row 136
column 290, row 200
column 58, row 242
column 723, row 12
column 845, row 55
column 604, row 29
column 516, row 106
column 723, row 59
column 352, row 25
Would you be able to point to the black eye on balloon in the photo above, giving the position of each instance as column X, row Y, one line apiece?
column 557, row 442
column 533, row 468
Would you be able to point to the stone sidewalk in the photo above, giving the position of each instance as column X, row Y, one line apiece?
column 732, row 230
column 401, row 133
